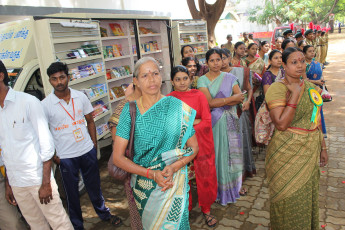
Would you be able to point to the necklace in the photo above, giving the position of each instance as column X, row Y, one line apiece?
column 141, row 103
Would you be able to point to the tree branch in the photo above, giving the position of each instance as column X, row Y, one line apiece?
column 193, row 10
column 327, row 15
column 202, row 8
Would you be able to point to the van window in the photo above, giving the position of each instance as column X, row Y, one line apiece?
column 13, row 74
column 279, row 32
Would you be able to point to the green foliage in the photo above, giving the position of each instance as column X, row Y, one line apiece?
column 283, row 11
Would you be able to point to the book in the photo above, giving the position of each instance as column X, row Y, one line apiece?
column 118, row 91
column 116, row 29
column 86, row 70
column 116, row 51
column 82, row 53
column 104, row 32
column 110, row 53
column 98, row 67
column 108, row 74
column 74, row 74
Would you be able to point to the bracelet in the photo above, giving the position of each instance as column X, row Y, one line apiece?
column 147, row 173
column 292, row 105
column 324, row 148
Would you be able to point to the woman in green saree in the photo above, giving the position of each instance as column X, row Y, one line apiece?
column 297, row 148
column 164, row 142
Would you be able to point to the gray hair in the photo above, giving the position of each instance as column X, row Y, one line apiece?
column 143, row 61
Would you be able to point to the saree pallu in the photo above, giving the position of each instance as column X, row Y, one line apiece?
column 292, row 165
column 246, row 122
column 227, row 139
column 314, row 72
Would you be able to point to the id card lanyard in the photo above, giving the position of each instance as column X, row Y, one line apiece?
column 73, row 118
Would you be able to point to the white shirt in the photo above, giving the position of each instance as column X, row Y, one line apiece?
column 25, row 139
column 71, row 136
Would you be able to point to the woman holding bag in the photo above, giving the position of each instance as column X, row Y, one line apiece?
column 161, row 151
column 297, row 148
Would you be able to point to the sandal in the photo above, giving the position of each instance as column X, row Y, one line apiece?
column 115, row 220
column 243, row 192
column 209, row 219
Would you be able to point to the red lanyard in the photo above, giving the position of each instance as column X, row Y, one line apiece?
column 73, row 118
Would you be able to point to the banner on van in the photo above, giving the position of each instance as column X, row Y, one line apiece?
column 17, row 46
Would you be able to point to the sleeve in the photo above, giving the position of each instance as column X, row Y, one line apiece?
column 201, row 82
column 123, row 128
column 276, row 95
column 267, row 78
column 87, row 106
column 39, row 123
column 114, row 118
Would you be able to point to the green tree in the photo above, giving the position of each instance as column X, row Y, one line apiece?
column 284, row 11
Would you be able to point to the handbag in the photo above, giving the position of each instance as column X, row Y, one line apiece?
column 264, row 126
column 114, row 171
column 326, row 96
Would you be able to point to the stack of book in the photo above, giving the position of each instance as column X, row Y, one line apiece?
column 115, row 28
column 83, row 52
column 144, row 30
column 117, row 72
column 149, row 46
column 98, row 108
column 85, row 70
column 112, row 51
column 102, row 128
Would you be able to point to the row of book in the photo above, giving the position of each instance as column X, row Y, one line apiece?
column 192, row 38
column 117, row 91
column 98, row 108
column 95, row 90
column 200, row 49
column 117, row 72
column 149, row 46
column 144, row 30
column 113, row 51
column 84, row 51
column 86, row 70
column 102, row 128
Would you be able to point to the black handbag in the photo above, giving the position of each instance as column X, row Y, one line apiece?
column 114, row 171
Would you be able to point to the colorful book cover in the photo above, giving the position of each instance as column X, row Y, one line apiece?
column 108, row 73
column 116, row 51
column 86, row 70
column 98, row 67
column 110, row 52
column 118, row 91
column 117, row 29
column 104, row 32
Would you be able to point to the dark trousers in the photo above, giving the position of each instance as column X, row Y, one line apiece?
column 88, row 166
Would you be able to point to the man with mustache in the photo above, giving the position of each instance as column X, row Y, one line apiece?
column 76, row 144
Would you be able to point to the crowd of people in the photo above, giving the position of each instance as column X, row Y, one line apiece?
column 200, row 135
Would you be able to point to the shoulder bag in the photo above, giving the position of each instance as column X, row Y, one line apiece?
column 114, row 171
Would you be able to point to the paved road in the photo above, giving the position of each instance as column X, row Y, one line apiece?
column 252, row 211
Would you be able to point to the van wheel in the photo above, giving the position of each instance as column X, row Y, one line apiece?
column 59, row 182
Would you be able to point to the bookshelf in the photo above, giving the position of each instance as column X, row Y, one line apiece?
column 78, row 44
column 189, row 32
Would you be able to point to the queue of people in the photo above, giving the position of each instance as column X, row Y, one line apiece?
column 203, row 130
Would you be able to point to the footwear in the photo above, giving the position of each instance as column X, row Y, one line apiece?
column 326, row 63
column 209, row 219
column 115, row 220
column 243, row 192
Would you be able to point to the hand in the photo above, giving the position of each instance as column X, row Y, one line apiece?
column 9, row 195
column 323, row 158
column 246, row 106
column 160, row 180
column 45, row 193
column 319, row 82
column 294, row 88
column 238, row 98
column 56, row 160
column 168, row 173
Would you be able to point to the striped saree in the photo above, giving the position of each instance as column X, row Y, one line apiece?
column 292, row 164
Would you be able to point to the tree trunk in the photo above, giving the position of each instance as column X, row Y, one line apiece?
column 210, row 13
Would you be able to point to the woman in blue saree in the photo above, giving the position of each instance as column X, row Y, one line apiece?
column 314, row 75
column 164, row 142
column 223, row 94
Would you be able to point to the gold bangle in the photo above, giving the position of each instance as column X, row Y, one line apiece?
column 323, row 148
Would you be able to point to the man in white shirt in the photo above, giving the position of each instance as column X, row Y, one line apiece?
column 10, row 218
column 27, row 152
column 76, row 144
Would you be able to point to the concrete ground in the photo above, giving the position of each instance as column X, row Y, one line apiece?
column 252, row 211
